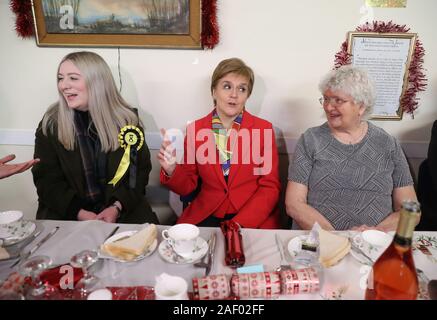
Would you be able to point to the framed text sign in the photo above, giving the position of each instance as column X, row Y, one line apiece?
column 386, row 57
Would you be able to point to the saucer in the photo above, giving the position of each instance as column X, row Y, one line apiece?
column 372, row 244
column 167, row 253
column 15, row 232
column 377, row 238
column 126, row 234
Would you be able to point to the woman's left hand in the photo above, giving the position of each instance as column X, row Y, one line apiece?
column 109, row 214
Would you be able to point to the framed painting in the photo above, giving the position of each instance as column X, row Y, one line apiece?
column 387, row 58
column 113, row 23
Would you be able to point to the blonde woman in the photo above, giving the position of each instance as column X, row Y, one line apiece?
column 77, row 143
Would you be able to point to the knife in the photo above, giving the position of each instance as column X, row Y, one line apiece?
column 112, row 233
column 210, row 254
column 36, row 247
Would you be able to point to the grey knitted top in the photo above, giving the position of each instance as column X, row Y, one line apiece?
column 351, row 184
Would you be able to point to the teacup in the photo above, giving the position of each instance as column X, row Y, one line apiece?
column 8, row 217
column 373, row 242
column 169, row 287
column 182, row 238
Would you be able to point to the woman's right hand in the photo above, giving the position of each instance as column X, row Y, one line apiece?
column 167, row 155
column 86, row 215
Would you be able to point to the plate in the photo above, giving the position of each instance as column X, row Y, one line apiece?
column 126, row 234
column 377, row 238
column 167, row 253
column 377, row 245
column 295, row 245
column 15, row 232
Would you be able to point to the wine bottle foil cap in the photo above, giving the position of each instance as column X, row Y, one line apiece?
column 407, row 221
column 411, row 205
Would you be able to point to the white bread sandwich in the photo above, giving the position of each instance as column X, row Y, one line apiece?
column 130, row 248
column 4, row 254
column 332, row 248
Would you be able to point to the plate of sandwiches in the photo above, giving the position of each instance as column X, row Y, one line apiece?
column 130, row 246
column 332, row 248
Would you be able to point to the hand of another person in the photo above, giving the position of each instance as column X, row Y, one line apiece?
column 110, row 214
column 167, row 155
column 86, row 215
column 7, row 170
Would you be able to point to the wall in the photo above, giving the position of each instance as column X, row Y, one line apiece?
column 290, row 44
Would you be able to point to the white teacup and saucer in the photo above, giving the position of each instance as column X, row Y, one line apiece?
column 372, row 242
column 182, row 244
column 13, row 228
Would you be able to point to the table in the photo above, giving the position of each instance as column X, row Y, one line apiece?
column 346, row 280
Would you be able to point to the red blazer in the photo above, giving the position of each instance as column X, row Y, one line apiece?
column 255, row 197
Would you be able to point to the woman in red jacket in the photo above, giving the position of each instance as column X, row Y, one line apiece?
column 232, row 152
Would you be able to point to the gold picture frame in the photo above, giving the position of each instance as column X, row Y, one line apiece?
column 387, row 58
column 186, row 36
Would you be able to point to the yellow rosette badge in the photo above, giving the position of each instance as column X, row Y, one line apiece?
column 131, row 140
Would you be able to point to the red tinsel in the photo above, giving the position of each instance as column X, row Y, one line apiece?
column 416, row 76
column 24, row 17
column 210, row 29
column 209, row 36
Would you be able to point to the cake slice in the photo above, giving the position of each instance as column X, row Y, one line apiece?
column 332, row 248
column 133, row 246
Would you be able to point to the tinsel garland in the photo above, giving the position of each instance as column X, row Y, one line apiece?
column 416, row 76
column 209, row 36
column 210, row 30
column 24, row 17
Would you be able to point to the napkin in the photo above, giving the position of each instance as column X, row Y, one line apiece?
column 53, row 275
column 132, row 293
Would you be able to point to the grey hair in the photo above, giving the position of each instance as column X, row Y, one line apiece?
column 353, row 81
column 108, row 110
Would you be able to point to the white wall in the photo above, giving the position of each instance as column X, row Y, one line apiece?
column 289, row 43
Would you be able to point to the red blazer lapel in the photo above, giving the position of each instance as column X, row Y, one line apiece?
column 206, row 123
column 242, row 150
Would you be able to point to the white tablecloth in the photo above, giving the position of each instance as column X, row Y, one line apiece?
column 346, row 280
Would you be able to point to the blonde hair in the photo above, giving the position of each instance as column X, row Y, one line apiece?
column 107, row 109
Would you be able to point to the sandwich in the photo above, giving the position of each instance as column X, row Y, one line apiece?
column 4, row 254
column 135, row 245
column 332, row 248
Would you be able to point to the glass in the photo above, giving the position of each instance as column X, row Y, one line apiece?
column 89, row 282
column 335, row 101
column 37, row 289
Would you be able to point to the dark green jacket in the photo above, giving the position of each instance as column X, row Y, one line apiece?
column 59, row 180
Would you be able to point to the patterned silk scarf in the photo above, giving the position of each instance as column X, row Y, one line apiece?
column 222, row 140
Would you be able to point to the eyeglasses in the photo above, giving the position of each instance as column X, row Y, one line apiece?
column 335, row 101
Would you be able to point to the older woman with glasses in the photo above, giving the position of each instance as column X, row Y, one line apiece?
column 347, row 173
